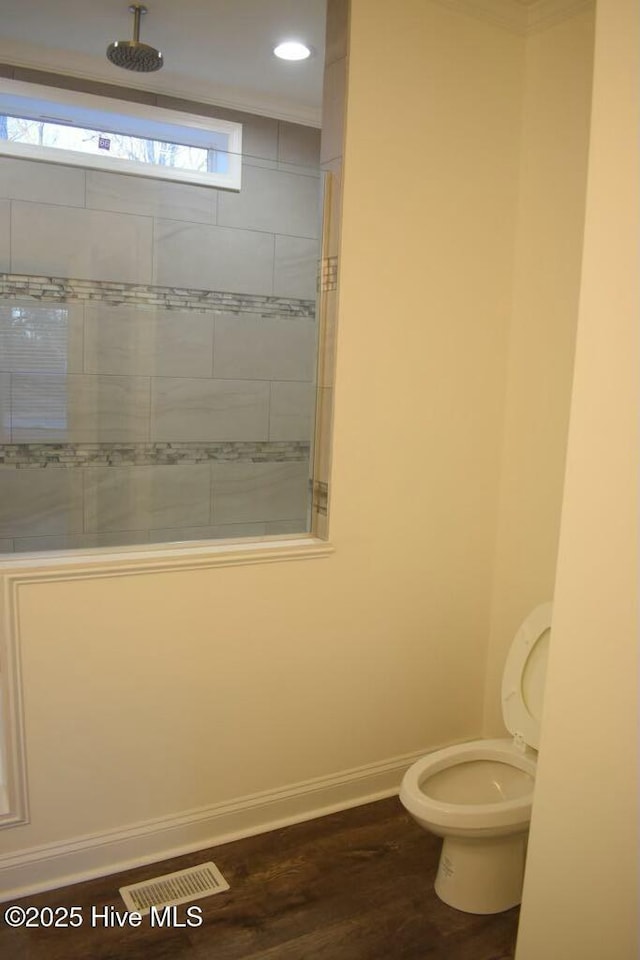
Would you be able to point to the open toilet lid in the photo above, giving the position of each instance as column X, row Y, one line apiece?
column 524, row 676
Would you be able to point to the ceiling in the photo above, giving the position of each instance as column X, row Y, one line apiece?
column 217, row 51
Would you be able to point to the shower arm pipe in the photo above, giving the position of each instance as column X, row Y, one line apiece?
column 137, row 9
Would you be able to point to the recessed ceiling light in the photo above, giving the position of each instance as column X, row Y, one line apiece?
column 292, row 50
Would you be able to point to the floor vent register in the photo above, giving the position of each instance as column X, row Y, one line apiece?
column 174, row 888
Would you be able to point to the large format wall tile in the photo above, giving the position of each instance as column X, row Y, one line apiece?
column 296, row 267
column 336, row 42
column 81, row 541
column 5, row 407
column 79, row 408
column 40, row 336
column 184, row 534
column 42, row 182
column 213, row 258
column 122, row 498
column 209, row 410
column 259, row 134
column 5, row 236
column 88, row 244
column 150, row 198
column 333, row 99
column 228, row 531
column 83, row 373
column 299, row 145
column 40, row 502
column 147, row 341
column 248, row 492
column 263, row 349
column 291, row 410
column 273, row 201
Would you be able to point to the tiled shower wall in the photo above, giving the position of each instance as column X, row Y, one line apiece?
column 158, row 350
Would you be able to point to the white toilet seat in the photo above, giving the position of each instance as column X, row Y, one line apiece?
column 483, row 854
column 468, row 816
column 524, row 675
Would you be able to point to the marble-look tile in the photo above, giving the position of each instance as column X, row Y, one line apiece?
column 337, row 30
column 259, row 134
column 255, row 348
column 40, row 502
column 146, row 497
column 82, row 541
column 213, row 258
column 209, row 532
column 257, row 162
column 5, row 407
column 259, row 492
column 78, row 407
column 5, row 236
column 291, row 411
column 228, row 531
column 150, row 198
column 40, row 336
column 41, row 182
column 209, row 409
column 323, row 435
column 284, row 527
column 47, row 240
column 147, row 341
column 273, row 201
column 298, row 144
column 333, row 106
column 296, row 267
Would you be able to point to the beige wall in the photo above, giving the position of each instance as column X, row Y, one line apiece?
column 152, row 695
column 553, row 163
column 580, row 897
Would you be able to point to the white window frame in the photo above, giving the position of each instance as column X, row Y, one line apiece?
column 63, row 103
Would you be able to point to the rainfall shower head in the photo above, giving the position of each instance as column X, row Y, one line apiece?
column 131, row 54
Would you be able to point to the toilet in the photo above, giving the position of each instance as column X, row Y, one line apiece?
column 477, row 796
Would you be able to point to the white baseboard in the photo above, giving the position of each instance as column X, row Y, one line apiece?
column 58, row 864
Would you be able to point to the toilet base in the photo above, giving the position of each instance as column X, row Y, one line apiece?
column 482, row 876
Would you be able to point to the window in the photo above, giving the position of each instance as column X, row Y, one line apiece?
column 158, row 339
column 42, row 123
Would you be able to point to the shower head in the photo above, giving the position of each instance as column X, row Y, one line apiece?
column 131, row 54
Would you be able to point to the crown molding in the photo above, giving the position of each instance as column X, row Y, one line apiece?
column 28, row 56
column 545, row 13
column 519, row 16
column 509, row 14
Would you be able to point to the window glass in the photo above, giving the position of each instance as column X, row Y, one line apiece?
column 78, row 129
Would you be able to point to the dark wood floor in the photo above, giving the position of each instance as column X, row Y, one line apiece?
column 356, row 885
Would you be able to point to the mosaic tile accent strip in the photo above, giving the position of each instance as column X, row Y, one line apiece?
column 320, row 496
column 328, row 273
column 62, row 289
column 25, row 455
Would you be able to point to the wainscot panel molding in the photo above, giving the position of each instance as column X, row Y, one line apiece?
column 100, row 564
column 12, row 714
column 519, row 16
column 56, row 864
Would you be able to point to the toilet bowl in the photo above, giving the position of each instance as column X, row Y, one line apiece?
column 477, row 796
